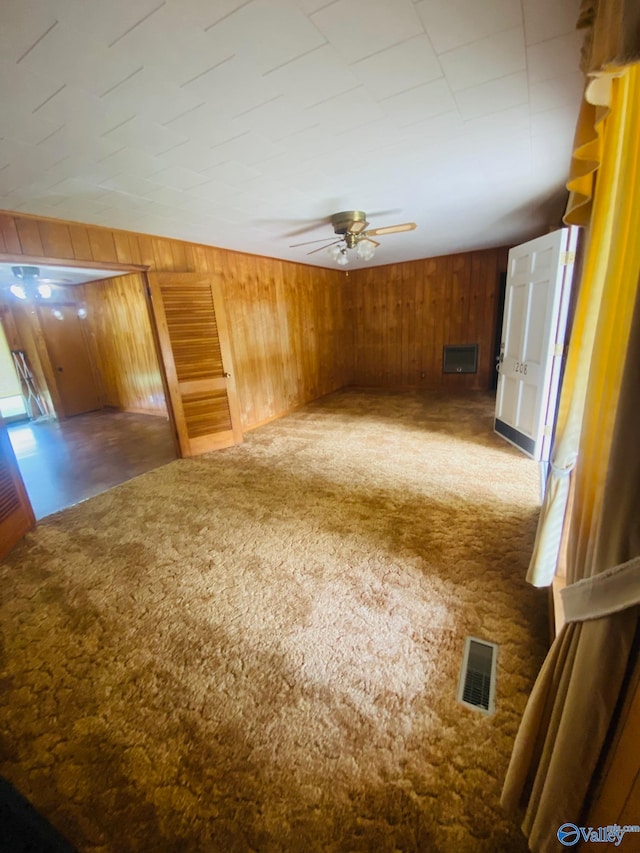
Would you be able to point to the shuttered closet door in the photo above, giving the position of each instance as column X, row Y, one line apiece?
column 194, row 342
column 16, row 515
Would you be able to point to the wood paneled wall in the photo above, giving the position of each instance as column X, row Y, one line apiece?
column 298, row 332
column 123, row 344
column 405, row 313
column 288, row 331
column 24, row 332
column 288, row 326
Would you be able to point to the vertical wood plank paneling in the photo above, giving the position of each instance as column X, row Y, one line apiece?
column 499, row 258
column 298, row 332
column 346, row 316
column 291, row 326
column 482, row 308
column 10, row 234
column 438, row 286
column 432, row 318
column 178, row 256
column 29, row 236
column 32, row 341
column 123, row 247
column 420, row 323
column 245, row 366
column 189, row 262
column 407, row 300
column 393, row 308
column 406, row 313
column 145, row 250
column 162, row 255
column 283, row 324
column 16, row 320
column 81, row 247
column 103, row 246
column 134, row 249
column 56, row 240
column 457, row 331
column 126, row 359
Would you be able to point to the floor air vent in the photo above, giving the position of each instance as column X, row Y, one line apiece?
column 477, row 685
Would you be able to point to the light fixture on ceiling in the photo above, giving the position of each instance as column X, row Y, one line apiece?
column 339, row 253
column 365, row 250
column 18, row 291
column 29, row 286
column 353, row 232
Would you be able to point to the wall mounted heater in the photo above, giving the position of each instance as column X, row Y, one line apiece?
column 460, row 358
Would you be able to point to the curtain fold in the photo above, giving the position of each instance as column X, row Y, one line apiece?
column 565, row 725
column 609, row 592
column 571, row 713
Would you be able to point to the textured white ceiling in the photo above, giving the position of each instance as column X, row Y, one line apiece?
column 239, row 123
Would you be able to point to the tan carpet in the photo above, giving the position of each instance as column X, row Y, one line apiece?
column 258, row 650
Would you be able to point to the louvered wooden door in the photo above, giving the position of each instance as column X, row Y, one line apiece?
column 16, row 515
column 194, row 342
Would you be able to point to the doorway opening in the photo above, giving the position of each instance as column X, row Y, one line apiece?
column 90, row 409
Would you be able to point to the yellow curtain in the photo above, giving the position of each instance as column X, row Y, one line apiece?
column 571, row 711
column 596, row 159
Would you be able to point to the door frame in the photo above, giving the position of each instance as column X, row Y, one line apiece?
column 37, row 260
column 143, row 270
column 121, row 269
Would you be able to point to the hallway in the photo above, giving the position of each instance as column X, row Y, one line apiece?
column 64, row 462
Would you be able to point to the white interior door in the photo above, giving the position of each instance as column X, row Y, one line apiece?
column 535, row 316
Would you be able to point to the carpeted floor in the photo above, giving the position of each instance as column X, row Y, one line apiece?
column 258, row 650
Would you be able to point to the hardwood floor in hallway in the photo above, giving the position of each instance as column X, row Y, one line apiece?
column 64, row 462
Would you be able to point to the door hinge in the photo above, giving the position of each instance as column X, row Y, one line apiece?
column 548, row 430
column 558, row 349
column 567, row 258
column 148, row 291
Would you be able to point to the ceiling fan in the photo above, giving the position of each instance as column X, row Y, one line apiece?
column 353, row 231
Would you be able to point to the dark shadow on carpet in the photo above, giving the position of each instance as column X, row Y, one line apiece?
column 22, row 829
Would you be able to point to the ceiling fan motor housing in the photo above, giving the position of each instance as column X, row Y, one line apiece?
column 344, row 221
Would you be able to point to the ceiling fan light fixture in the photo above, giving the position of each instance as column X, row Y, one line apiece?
column 365, row 250
column 45, row 291
column 353, row 232
column 18, row 291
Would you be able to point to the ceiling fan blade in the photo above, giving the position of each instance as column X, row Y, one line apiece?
column 309, row 242
column 313, row 251
column 313, row 225
column 358, row 227
column 391, row 229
